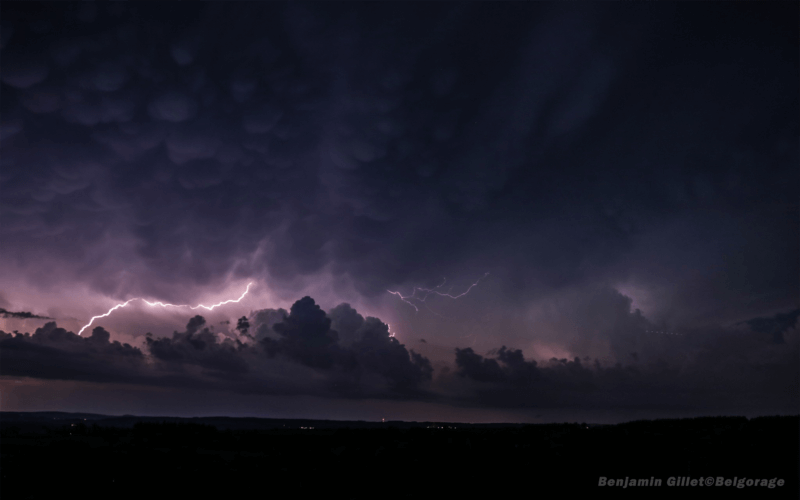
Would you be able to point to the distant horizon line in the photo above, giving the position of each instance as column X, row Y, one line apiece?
column 395, row 421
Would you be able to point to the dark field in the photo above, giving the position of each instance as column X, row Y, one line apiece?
column 49, row 455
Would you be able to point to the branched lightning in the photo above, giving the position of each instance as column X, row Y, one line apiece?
column 153, row 304
column 428, row 291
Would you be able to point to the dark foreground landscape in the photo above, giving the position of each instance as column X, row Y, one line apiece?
column 52, row 454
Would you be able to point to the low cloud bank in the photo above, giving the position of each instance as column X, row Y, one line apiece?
column 343, row 354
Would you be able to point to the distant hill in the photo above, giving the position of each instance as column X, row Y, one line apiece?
column 223, row 423
column 44, row 454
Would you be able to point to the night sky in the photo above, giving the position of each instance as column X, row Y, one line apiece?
column 585, row 211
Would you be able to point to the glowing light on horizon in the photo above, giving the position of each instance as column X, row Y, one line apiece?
column 428, row 291
column 153, row 304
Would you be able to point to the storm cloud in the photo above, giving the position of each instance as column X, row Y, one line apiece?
column 55, row 353
column 298, row 132
column 375, row 365
column 703, row 370
column 20, row 315
column 612, row 170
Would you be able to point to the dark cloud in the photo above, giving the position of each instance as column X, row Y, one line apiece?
column 22, row 72
column 263, row 320
column 242, row 326
column 382, row 155
column 306, row 336
column 709, row 369
column 20, row 315
column 198, row 345
column 172, row 107
column 703, row 369
column 379, row 352
column 347, row 323
column 570, row 150
column 374, row 365
column 776, row 325
column 55, row 353
column 477, row 368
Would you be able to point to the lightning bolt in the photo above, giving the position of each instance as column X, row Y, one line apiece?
column 664, row 333
column 106, row 314
column 428, row 291
column 153, row 304
column 208, row 308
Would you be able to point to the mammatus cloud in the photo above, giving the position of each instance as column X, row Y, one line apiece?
column 327, row 142
column 575, row 152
